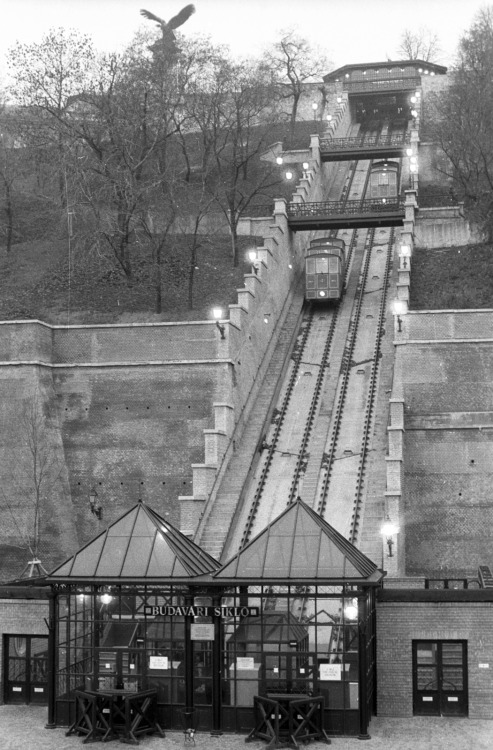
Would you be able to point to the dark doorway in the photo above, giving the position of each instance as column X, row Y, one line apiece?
column 440, row 678
column 26, row 663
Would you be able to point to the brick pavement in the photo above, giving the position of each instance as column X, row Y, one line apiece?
column 22, row 728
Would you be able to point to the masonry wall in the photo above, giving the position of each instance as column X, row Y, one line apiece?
column 399, row 623
column 443, row 374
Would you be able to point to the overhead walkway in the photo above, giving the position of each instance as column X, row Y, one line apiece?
column 369, row 147
column 321, row 215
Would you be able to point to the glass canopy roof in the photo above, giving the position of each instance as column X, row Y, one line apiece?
column 139, row 546
column 300, row 545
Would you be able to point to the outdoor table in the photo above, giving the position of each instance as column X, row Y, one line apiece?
column 92, row 716
column 285, row 718
column 132, row 714
column 108, row 714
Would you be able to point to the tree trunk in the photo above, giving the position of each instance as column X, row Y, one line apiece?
column 158, row 280
column 10, row 215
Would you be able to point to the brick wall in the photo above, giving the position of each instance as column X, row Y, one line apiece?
column 399, row 623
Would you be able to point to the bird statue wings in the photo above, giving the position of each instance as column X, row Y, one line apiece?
column 174, row 22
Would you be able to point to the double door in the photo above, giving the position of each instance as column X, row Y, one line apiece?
column 26, row 669
column 440, row 678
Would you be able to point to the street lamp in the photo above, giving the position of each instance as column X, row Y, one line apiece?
column 218, row 314
column 404, row 253
column 388, row 530
column 289, row 175
column 399, row 307
column 95, row 504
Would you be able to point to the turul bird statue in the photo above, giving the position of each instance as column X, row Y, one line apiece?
column 169, row 39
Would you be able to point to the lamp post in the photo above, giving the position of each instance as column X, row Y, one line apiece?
column 95, row 504
column 217, row 313
column 399, row 307
column 404, row 254
column 388, row 531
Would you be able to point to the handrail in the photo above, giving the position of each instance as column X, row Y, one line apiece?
column 369, row 142
column 370, row 206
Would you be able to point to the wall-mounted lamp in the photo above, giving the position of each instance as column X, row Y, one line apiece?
column 252, row 255
column 329, row 118
column 314, row 106
column 266, row 317
column 95, row 504
column 388, row 530
column 218, row 314
column 279, row 160
column 409, row 152
column 339, row 99
column 289, row 175
column 106, row 598
column 414, row 113
column 399, row 307
column 404, row 253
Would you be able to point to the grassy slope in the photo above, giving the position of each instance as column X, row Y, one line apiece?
column 37, row 281
column 452, row 278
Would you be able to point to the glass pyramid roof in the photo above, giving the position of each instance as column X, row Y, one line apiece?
column 300, row 545
column 139, row 546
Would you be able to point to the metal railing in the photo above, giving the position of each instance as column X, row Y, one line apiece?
column 326, row 208
column 339, row 144
column 385, row 84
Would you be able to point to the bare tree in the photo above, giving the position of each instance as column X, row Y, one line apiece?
column 295, row 63
column 35, row 472
column 48, row 76
column 235, row 115
column 422, row 44
column 462, row 123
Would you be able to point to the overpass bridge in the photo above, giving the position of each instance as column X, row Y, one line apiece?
column 346, row 214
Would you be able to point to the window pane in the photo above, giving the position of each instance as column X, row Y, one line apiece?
column 427, row 678
column 426, row 653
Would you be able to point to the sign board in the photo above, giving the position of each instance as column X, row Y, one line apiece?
column 330, row 671
column 199, row 611
column 158, row 662
column 202, row 631
column 245, row 662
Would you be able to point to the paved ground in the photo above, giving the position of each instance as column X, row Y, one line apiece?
column 22, row 728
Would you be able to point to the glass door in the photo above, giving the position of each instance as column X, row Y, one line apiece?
column 26, row 669
column 439, row 678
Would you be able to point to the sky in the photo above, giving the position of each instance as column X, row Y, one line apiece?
column 346, row 31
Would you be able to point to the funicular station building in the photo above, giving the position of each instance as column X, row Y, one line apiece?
column 143, row 610
column 144, row 619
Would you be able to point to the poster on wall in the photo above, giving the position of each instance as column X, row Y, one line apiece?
column 202, row 631
column 330, row 671
column 158, row 662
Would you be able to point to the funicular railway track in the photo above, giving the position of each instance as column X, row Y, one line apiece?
column 313, row 323
column 290, row 444
column 348, row 366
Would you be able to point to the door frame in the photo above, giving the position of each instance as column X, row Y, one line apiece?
column 29, row 687
column 439, row 700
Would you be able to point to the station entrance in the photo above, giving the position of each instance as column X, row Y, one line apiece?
column 141, row 614
column 25, row 669
column 440, row 678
